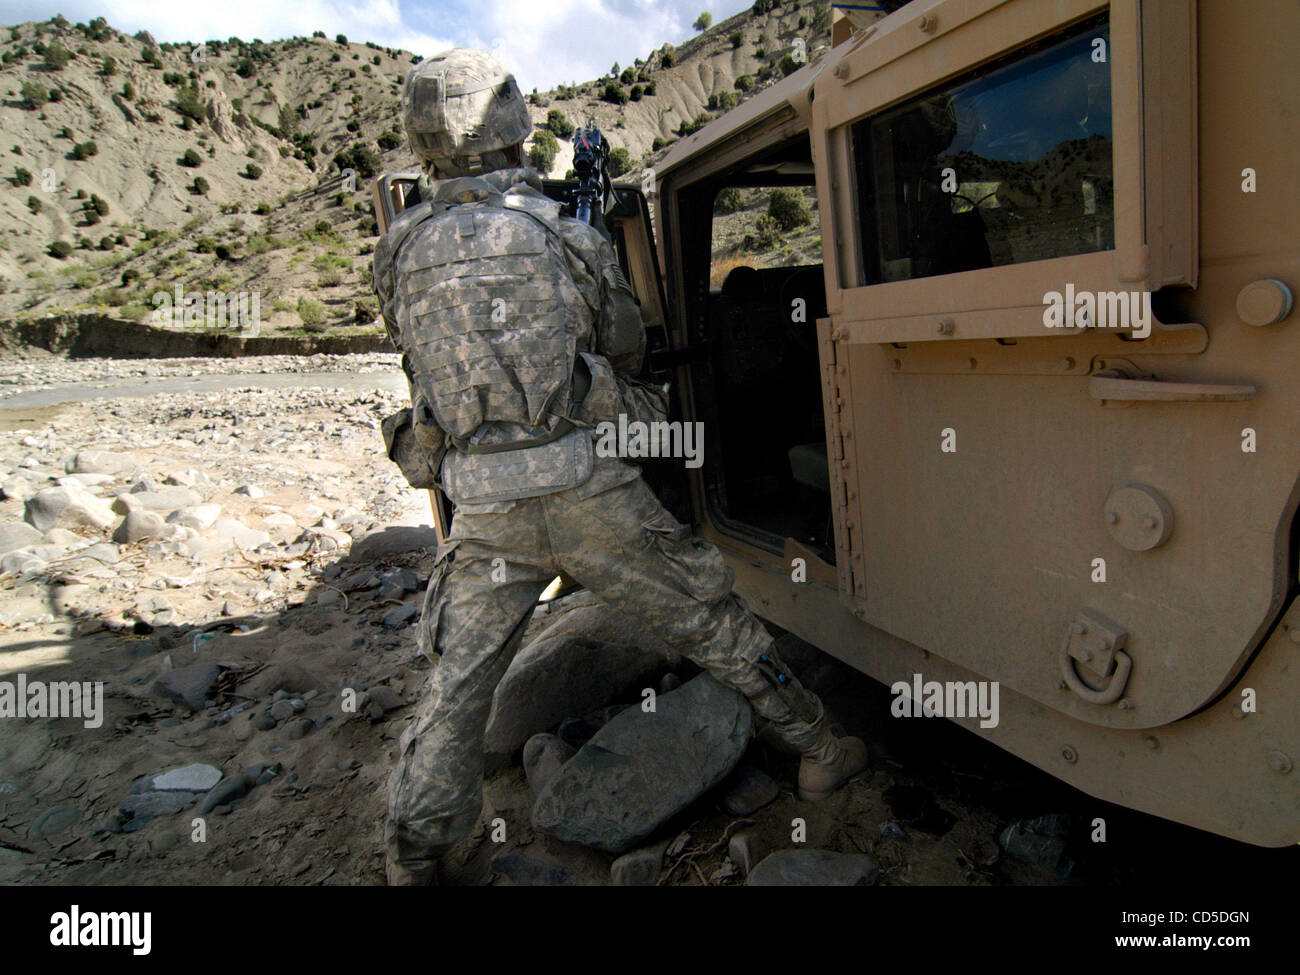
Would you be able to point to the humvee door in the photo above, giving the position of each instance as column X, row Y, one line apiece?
column 1041, row 462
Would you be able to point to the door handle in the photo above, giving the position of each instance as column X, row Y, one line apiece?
column 1113, row 386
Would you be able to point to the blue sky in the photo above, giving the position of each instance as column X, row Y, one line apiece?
column 545, row 42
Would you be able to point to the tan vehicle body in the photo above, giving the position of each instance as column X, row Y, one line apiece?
column 1105, row 524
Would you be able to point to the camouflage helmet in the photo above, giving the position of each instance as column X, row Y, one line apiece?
column 461, row 110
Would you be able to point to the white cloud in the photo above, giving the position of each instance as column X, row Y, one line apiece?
column 545, row 42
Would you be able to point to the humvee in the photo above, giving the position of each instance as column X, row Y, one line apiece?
column 922, row 460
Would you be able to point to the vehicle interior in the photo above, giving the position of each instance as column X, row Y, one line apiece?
column 752, row 248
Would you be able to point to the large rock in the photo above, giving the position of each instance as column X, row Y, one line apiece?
column 589, row 657
column 15, row 535
column 62, row 507
column 393, row 540
column 643, row 768
column 814, row 868
column 138, row 526
column 239, row 533
column 101, row 462
column 200, row 517
column 164, row 499
column 188, row 686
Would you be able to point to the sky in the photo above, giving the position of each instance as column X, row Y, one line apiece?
column 544, row 42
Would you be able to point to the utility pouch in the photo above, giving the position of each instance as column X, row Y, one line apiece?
column 527, row 472
column 405, row 451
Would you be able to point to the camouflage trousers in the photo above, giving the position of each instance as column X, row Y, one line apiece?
column 626, row 548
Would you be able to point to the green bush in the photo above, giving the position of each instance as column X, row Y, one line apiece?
column 789, row 65
column 649, row 88
column 704, row 21
column 559, row 124
column 252, row 171
column 60, row 249
column 109, row 67
column 620, row 161
column 736, row 40
column 57, row 57
column 787, row 208
column 191, row 158
column 129, row 275
column 388, row 141
column 541, row 156
column 728, row 201
column 310, row 312
column 769, row 234
column 98, row 204
column 34, row 94
column 21, row 177
column 364, row 311
column 84, row 150
column 360, row 158
column 33, row 204
column 744, row 83
column 636, row 93
column 200, row 186
column 341, row 39
column 190, row 104
column 128, row 91
column 614, row 94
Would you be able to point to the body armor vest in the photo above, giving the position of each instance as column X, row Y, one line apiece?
column 487, row 308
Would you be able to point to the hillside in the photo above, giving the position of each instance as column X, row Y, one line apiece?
column 134, row 167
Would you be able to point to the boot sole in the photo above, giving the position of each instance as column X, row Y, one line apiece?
column 809, row 796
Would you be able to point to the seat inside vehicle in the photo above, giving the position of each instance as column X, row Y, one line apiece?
column 760, row 388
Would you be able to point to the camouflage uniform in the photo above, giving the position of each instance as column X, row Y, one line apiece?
column 598, row 522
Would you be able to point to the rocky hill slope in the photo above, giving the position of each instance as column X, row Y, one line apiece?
column 134, row 167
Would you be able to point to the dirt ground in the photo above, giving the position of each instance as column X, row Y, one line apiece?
column 930, row 808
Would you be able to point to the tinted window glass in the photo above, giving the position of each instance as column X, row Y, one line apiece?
column 1011, row 164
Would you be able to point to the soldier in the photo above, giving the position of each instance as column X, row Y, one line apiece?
column 519, row 334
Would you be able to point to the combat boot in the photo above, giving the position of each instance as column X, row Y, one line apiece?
column 829, row 764
column 421, row 874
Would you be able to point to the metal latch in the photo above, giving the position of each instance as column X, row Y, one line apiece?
column 1097, row 644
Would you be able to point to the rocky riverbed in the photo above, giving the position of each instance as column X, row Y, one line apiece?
column 241, row 571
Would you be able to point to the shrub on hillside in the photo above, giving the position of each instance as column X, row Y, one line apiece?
column 34, row 94
column 787, row 208
column 614, row 94
column 620, row 161
column 559, row 124
column 541, row 155
column 60, row 249
column 84, row 150
column 57, row 57
column 728, row 201
column 199, row 186
column 252, row 171
column 191, row 158
column 310, row 312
